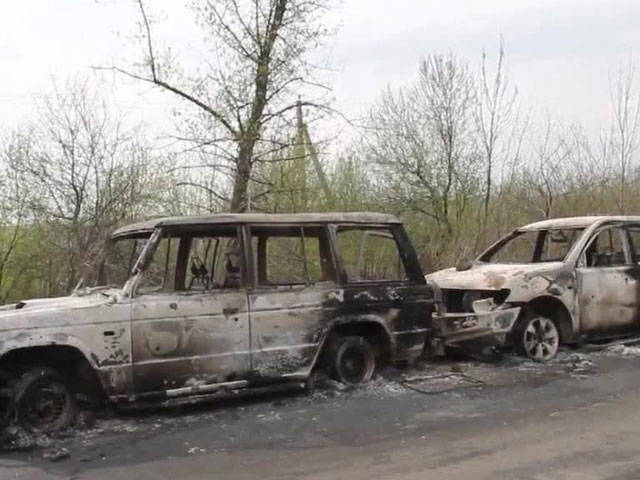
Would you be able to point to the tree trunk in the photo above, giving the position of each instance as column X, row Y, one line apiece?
column 240, row 197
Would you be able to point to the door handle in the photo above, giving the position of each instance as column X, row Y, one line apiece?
column 230, row 311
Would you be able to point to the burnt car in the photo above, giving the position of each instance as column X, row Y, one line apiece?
column 556, row 281
column 197, row 306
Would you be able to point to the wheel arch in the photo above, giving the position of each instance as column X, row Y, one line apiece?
column 371, row 327
column 556, row 310
column 68, row 360
column 41, row 339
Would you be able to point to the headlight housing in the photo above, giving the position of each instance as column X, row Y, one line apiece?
column 487, row 300
column 483, row 305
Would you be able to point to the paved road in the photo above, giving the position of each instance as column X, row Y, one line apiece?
column 576, row 418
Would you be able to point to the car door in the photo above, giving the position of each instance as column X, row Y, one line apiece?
column 381, row 277
column 607, row 284
column 294, row 279
column 190, row 324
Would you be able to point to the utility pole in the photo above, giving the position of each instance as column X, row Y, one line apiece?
column 303, row 138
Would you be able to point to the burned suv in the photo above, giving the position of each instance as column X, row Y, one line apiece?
column 551, row 282
column 198, row 306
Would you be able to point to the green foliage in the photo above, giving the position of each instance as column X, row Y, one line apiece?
column 449, row 155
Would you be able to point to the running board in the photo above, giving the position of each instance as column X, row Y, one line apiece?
column 147, row 401
column 189, row 391
column 199, row 389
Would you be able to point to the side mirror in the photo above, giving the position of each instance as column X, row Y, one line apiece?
column 113, row 299
column 464, row 264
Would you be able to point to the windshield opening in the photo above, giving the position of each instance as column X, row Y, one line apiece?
column 534, row 246
column 121, row 257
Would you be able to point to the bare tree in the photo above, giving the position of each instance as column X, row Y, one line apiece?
column 625, row 132
column 563, row 175
column 544, row 176
column 423, row 152
column 87, row 173
column 494, row 112
column 17, row 252
column 421, row 138
column 258, row 65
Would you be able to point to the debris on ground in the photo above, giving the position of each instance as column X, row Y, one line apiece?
column 382, row 386
column 459, row 376
column 56, row 454
column 269, row 417
column 612, row 346
column 15, row 439
column 576, row 364
column 624, row 350
column 194, row 450
column 441, row 383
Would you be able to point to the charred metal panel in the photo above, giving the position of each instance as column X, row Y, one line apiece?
column 163, row 344
column 94, row 325
column 116, row 381
column 523, row 281
column 257, row 218
column 287, row 326
column 457, row 328
column 404, row 308
column 609, row 299
column 509, row 284
column 600, row 290
column 181, row 340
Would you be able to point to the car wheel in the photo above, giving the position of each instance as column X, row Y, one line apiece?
column 43, row 401
column 353, row 360
column 537, row 337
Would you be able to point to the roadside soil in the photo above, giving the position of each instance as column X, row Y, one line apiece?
column 575, row 417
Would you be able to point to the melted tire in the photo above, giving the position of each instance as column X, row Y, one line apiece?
column 353, row 361
column 43, row 401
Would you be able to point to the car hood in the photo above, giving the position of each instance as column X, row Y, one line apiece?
column 485, row 276
column 20, row 314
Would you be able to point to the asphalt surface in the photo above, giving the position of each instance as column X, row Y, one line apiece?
column 577, row 417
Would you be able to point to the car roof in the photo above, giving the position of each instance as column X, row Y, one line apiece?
column 577, row 222
column 256, row 218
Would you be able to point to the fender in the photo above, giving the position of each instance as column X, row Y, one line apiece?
column 111, row 363
column 351, row 320
column 25, row 339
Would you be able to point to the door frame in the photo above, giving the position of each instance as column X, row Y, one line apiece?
column 255, row 287
column 185, row 234
column 580, row 265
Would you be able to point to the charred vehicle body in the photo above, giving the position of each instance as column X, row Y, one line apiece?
column 202, row 305
column 551, row 282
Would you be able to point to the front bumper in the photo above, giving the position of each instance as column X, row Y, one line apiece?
column 491, row 328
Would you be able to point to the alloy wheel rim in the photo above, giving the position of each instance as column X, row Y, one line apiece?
column 541, row 339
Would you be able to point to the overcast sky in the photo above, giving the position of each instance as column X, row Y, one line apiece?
column 560, row 53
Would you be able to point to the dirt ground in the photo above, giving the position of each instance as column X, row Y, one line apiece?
column 508, row 418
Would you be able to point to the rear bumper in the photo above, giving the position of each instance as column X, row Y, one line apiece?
column 488, row 328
